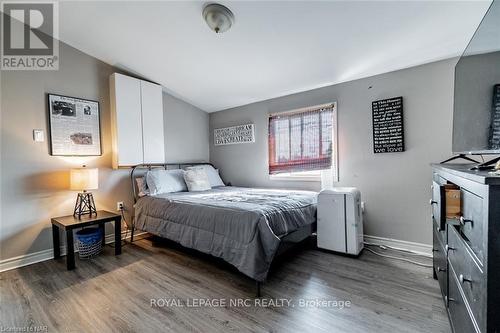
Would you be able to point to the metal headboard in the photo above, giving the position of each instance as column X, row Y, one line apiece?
column 166, row 166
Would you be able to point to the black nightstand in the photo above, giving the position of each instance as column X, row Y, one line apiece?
column 70, row 222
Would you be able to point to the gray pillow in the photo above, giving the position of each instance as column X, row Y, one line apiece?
column 165, row 181
column 142, row 187
column 197, row 179
column 212, row 173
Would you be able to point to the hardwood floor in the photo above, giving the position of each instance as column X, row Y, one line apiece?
column 114, row 294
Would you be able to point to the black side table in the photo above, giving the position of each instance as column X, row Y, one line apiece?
column 70, row 222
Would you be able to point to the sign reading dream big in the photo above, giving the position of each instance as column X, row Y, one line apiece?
column 234, row 135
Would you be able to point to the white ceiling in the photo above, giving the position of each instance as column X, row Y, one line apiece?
column 273, row 49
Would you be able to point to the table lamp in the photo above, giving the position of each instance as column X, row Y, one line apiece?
column 84, row 179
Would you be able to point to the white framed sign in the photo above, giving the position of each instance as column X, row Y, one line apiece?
column 234, row 135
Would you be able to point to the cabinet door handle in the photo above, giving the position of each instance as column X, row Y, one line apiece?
column 463, row 220
column 462, row 279
column 449, row 299
column 441, row 269
column 432, row 202
column 448, row 248
column 438, row 229
column 435, row 250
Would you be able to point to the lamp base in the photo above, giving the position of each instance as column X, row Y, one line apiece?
column 84, row 205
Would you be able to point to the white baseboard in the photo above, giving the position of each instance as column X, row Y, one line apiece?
column 27, row 259
column 423, row 249
column 33, row 258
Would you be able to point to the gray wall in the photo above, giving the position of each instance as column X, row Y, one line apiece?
column 186, row 131
column 34, row 185
column 394, row 186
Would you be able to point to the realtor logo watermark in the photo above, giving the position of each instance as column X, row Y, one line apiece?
column 249, row 302
column 30, row 36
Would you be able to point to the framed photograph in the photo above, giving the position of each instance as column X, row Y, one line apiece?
column 74, row 126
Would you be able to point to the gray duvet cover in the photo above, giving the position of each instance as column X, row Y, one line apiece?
column 243, row 226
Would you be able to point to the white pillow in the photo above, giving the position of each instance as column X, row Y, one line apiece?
column 197, row 179
column 142, row 187
column 212, row 173
column 165, row 181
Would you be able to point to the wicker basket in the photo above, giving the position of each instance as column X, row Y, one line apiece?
column 89, row 242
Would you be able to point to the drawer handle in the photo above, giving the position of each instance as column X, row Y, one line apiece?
column 449, row 248
column 463, row 279
column 463, row 220
column 438, row 229
column 435, row 250
column 432, row 202
column 449, row 299
column 441, row 269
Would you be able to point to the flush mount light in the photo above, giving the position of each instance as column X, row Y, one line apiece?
column 218, row 17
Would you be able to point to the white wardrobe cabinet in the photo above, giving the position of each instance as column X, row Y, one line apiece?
column 137, row 121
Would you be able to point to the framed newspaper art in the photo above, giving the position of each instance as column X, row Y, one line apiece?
column 74, row 126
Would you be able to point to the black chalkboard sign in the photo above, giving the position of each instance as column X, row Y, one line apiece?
column 388, row 131
column 495, row 119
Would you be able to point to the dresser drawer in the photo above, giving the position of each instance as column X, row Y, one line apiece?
column 469, row 275
column 472, row 222
column 438, row 179
column 438, row 205
column 459, row 315
column 440, row 232
column 440, row 264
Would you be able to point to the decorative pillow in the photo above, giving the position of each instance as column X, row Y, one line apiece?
column 212, row 173
column 165, row 181
column 142, row 187
column 197, row 179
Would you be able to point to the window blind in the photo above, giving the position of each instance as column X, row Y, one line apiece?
column 301, row 140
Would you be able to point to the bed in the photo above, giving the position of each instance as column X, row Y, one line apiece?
column 245, row 227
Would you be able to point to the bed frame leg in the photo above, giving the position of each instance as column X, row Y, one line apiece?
column 132, row 234
column 258, row 288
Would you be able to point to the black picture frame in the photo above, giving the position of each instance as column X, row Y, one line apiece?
column 494, row 136
column 74, row 124
column 388, row 129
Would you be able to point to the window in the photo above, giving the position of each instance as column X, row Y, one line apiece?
column 314, row 175
column 303, row 142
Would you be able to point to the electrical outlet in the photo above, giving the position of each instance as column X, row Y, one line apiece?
column 119, row 205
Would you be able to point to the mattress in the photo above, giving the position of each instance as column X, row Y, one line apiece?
column 243, row 226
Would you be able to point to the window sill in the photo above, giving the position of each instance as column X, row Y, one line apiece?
column 295, row 178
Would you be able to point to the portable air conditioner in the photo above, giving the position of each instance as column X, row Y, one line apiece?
column 340, row 220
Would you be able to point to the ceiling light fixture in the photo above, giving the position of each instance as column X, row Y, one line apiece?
column 218, row 17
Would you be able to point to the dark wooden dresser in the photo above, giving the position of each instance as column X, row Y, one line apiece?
column 467, row 248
